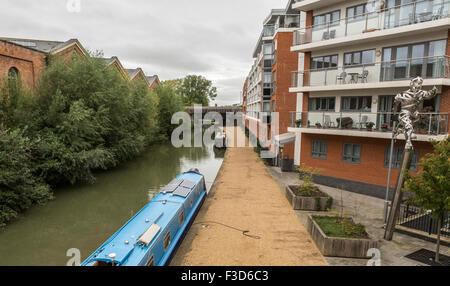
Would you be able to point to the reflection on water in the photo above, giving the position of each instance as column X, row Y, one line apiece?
column 85, row 216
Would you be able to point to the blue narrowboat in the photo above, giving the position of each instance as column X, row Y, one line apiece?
column 153, row 235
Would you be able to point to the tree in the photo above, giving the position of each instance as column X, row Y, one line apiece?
column 431, row 186
column 169, row 103
column 197, row 90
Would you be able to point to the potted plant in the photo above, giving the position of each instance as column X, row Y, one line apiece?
column 318, row 125
column 298, row 123
column 309, row 123
column 385, row 127
column 369, row 126
column 307, row 196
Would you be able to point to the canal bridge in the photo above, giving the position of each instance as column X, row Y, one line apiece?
column 223, row 111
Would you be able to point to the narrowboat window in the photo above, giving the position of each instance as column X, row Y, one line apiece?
column 151, row 262
column 102, row 264
column 181, row 218
column 166, row 241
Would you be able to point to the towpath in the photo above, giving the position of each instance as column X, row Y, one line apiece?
column 244, row 197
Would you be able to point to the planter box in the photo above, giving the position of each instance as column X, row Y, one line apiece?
column 337, row 246
column 305, row 203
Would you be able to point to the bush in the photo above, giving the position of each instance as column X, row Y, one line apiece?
column 19, row 186
column 83, row 116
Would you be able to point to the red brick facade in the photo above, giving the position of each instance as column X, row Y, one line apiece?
column 370, row 170
column 27, row 61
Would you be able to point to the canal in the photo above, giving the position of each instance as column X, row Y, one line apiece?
column 84, row 216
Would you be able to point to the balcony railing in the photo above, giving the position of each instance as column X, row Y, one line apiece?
column 382, row 19
column 429, row 123
column 427, row 67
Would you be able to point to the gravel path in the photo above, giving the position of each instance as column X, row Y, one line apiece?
column 246, row 198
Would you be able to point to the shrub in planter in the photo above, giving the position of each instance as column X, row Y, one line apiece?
column 307, row 196
column 340, row 236
column 385, row 127
column 298, row 123
column 318, row 125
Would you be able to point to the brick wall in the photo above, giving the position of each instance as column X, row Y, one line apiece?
column 287, row 62
column 29, row 62
column 371, row 170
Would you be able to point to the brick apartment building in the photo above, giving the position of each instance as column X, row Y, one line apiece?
column 357, row 56
column 266, row 88
column 26, row 58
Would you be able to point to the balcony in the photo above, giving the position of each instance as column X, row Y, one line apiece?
column 430, row 126
column 435, row 71
column 407, row 19
column 308, row 5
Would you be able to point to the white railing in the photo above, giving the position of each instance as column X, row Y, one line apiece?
column 382, row 19
column 426, row 67
column 429, row 123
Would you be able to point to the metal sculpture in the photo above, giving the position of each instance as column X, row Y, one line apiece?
column 410, row 101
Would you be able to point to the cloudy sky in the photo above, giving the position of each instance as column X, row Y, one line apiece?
column 171, row 38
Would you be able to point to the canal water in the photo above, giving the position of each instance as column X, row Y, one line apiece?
column 84, row 216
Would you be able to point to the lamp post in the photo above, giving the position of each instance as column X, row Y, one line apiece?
column 388, row 186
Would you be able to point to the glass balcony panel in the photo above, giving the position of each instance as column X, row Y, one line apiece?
column 392, row 17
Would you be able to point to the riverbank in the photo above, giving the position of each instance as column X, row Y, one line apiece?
column 83, row 216
column 245, row 197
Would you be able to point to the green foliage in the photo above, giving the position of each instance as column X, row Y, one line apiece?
column 306, row 176
column 83, row 116
column 19, row 185
column 431, row 186
column 341, row 227
column 196, row 90
column 169, row 103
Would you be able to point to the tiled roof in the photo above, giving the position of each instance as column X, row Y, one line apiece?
column 151, row 79
column 39, row 45
column 132, row 72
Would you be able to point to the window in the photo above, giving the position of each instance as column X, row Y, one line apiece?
column 409, row 61
column 13, row 73
column 397, row 157
column 319, row 149
column 181, row 218
column 322, row 104
column 360, row 57
column 151, row 261
column 166, row 241
column 357, row 103
column 352, row 153
column 324, row 62
column 324, row 20
column 358, row 12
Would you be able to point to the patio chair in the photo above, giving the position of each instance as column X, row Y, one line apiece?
column 332, row 34
column 341, row 77
column 363, row 77
column 328, row 123
column 326, row 35
column 363, row 121
column 438, row 14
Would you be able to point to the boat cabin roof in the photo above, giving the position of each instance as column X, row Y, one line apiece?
column 130, row 244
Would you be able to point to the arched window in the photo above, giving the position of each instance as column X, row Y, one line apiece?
column 13, row 73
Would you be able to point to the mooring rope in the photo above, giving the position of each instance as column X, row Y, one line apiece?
column 244, row 232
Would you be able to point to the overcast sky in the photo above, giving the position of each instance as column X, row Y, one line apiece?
column 171, row 38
